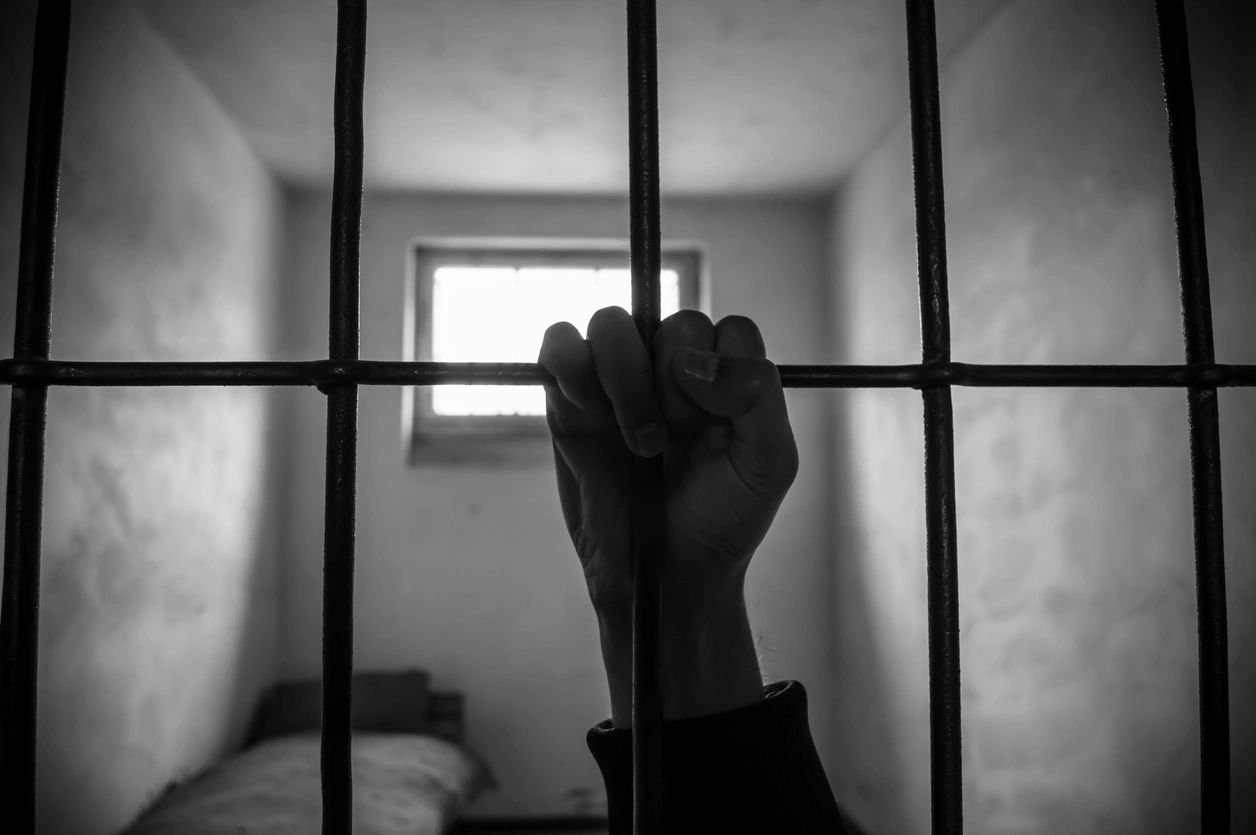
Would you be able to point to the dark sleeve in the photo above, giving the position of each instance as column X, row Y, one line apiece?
column 754, row 769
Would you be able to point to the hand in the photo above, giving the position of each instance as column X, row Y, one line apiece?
column 713, row 406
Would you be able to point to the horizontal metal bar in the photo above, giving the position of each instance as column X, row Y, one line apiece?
column 1016, row 376
column 389, row 373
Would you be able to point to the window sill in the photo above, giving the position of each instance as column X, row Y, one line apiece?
column 454, row 447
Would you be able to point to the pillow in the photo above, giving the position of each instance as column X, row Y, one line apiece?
column 383, row 702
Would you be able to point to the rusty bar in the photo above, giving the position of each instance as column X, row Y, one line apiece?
column 19, row 612
column 387, row 372
column 647, row 474
column 943, row 588
column 1205, row 436
column 342, row 422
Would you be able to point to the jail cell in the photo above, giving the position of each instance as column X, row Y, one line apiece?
column 30, row 372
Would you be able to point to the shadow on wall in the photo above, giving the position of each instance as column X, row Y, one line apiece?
column 872, row 740
column 158, row 588
column 1077, row 613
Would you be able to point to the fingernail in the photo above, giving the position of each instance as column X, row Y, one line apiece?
column 701, row 364
column 651, row 439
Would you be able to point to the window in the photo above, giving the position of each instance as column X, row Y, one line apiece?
column 472, row 302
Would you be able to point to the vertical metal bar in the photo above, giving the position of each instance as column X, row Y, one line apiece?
column 1205, row 440
column 19, row 612
column 943, row 588
column 647, row 481
column 342, row 423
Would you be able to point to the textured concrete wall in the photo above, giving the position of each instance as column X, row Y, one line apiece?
column 1076, row 574
column 467, row 569
column 157, row 616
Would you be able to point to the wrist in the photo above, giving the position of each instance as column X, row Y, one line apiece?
column 709, row 661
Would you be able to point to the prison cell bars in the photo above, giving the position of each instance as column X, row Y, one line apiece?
column 30, row 372
column 647, row 473
column 335, row 759
column 1205, row 432
column 19, row 611
column 945, row 769
column 394, row 373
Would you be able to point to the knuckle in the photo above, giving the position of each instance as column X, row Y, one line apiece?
column 789, row 464
column 780, row 469
column 774, row 472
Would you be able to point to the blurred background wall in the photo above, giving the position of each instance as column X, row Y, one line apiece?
column 158, row 601
column 1076, row 573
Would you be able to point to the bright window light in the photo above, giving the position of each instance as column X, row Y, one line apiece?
column 499, row 314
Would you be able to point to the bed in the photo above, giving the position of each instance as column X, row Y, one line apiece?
column 412, row 772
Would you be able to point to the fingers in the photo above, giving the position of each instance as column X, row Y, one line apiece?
column 578, row 401
column 607, row 382
column 738, row 336
column 735, row 336
column 603, row 382
column 747, row 390
column 683, row 329
column 623, row 369
column 744, row 387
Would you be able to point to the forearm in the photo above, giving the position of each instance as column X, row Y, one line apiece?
column 709, row 661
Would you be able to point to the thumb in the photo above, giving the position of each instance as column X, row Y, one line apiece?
column 747, row 391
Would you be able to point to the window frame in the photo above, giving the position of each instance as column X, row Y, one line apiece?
column 433, row 438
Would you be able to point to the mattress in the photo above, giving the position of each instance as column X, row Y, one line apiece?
column 403, row 783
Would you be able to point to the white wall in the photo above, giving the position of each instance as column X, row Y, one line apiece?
column 467, row 570
column 1076, row 579
column 158, row 599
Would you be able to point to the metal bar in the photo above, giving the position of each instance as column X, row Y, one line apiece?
column 385, row 373
column 926, row 152
column 342, row 422
column 338, row 550
column 943, row 598
column 19, row 619
column 935, row 332
column 1015, row 376
column 19, row 612
column 647, row 474
column 1205, row 440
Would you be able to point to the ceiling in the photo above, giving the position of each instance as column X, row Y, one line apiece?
column 755, row 96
